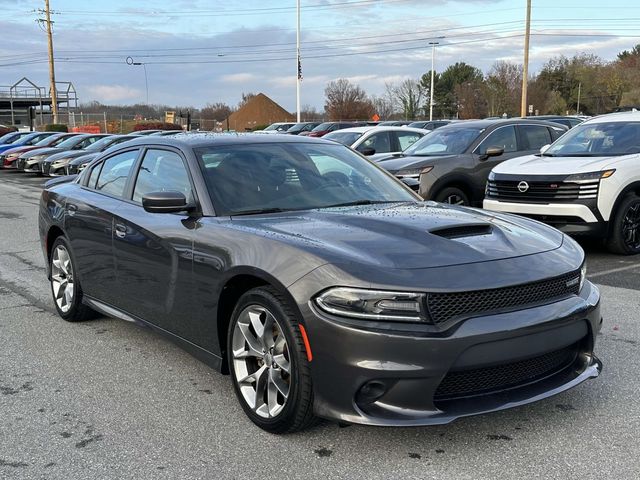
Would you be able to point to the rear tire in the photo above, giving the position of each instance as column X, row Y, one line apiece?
column 624, row 238
column 65, row 285
column 453, row 196
column 268, row 362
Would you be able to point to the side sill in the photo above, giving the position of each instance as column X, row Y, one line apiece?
column 211, row 359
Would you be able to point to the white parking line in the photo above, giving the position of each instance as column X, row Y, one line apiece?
column 613, row 270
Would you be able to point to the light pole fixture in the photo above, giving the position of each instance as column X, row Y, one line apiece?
column 130, row 61
column 433, row 55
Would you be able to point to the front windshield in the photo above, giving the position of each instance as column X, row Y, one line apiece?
column 322, row 127
column 9, row 137
column 37, row 138
column 99, row 145
column 598, row 139
column 444, row 141
column 259, row 178
column 50, row 140
column 70, row 142
column 345, row 138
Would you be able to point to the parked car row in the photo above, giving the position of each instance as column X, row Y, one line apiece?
column 55, row 154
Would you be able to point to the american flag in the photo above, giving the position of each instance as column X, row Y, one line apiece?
column 299, row 68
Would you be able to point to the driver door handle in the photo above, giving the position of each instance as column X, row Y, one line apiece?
column 121, row 230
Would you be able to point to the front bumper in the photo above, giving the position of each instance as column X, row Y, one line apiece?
column 30, row 165
column 385, row 378
column 570, row 218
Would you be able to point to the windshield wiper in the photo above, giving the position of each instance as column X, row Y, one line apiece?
column 359, row 202
column 258, row 211
column 545, row 154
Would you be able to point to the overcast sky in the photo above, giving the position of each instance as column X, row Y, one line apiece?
column 198, row 52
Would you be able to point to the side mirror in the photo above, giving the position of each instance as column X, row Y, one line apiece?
column 494, row 151
column 368, row 151
column 164, row 202
column 544, row 148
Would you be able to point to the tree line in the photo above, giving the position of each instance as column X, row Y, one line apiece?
column 583, row 84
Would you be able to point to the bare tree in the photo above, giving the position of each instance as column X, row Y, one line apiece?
column 383, row 106
column 245, row 98
column 309, row 113
column 503, row 88
column 345, row 101
column 409, row 95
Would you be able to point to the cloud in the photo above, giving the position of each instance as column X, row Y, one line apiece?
column 238, row 78
column 114, row 93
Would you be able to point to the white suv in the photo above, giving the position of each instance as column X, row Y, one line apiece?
column 586, row 183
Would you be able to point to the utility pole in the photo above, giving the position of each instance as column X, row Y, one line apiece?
column 52, row 73
column 299, row 64
column 525, row 66
column 578, row 106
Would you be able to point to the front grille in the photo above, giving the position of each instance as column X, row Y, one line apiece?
column 542, row 192
column 447, row 306
column 481, row 381
column 46, row 167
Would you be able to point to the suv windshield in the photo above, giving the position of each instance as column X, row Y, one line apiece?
column 444, row 141
column 263, row 178
column 598, row 139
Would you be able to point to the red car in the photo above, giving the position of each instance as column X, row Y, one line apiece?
column 8, row 157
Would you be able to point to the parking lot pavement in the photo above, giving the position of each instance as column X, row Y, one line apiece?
column 109, row 399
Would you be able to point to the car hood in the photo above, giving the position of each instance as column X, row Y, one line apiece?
column 65, row 154
column 538, row 165
column 406, row 235
column 400, row 163
column 20, row 149
column 42, row 151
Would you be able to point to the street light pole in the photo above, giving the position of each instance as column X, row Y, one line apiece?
column 299, row 65
column 130, row 61
column 433, row 55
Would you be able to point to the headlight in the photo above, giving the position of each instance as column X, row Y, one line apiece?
column 36, row 157
column 492, row 176
column 589, row 177
column 583, row 275
column 373, row 304
column 413, row 172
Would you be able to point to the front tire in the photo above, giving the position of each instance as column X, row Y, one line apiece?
column 624, row 238
column 65, row 287
column 268, row 362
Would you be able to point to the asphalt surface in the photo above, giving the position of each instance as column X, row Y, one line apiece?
column 109, row 399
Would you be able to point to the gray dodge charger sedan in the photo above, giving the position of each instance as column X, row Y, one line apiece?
column 319, row 282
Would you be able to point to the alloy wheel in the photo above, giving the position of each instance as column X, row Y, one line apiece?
column 631, row 226
column 261, row 361
column 454, row 199
column 62, row 278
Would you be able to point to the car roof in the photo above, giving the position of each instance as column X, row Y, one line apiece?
column 384, row 128
column 196, row 140
column 486, row 123
column 615, row 117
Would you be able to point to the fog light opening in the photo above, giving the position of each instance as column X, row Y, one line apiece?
column 371, row 392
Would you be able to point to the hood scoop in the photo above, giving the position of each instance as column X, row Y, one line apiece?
column 460, row 231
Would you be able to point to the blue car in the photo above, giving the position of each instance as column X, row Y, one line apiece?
column 30, row 139
column 12, row 137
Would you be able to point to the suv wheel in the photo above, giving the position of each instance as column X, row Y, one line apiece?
column 65, row 287
column 268, row 362
column 625, row 229
column 452, row 195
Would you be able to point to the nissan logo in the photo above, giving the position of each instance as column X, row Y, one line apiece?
column 523, row 187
